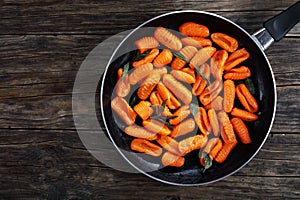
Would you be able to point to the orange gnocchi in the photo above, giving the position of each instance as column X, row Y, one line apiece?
column 190, row 95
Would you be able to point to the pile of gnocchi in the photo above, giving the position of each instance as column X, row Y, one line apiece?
column 193, row 94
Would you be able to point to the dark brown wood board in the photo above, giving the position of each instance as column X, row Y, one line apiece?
column 42, row 45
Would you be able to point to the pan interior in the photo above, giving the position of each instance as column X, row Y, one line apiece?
column 191, row 173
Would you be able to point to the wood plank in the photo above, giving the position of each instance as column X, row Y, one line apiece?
column 55, row 111
column 43, row 112
column 284, row 64
column 128, row 186
column 288, row 110
column 34, row 147
column 23, row 55
column 112, row 6
column 31, row 54
column 272, row 159
column 103, row 17
column 40, row 164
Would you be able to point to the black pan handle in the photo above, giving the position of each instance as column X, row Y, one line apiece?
column 282, row 23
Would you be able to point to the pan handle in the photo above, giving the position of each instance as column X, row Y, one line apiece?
column 278, row 26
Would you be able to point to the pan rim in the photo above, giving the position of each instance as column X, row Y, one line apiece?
column 177, row 12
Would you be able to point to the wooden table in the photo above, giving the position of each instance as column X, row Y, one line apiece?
column 42, row 45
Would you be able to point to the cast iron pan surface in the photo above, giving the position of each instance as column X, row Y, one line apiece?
column 192, row 172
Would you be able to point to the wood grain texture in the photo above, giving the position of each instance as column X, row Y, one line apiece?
column 38, row 54
column 42, row 166
column 55, row 111
column 42, row 45
column 111, row 17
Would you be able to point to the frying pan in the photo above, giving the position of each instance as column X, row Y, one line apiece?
column 191, row 174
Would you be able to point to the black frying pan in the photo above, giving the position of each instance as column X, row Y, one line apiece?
column 192, row 173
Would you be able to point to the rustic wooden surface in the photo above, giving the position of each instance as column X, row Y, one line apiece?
column 42, row 44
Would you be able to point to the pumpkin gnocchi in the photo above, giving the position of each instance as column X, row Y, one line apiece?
column 191, row 95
